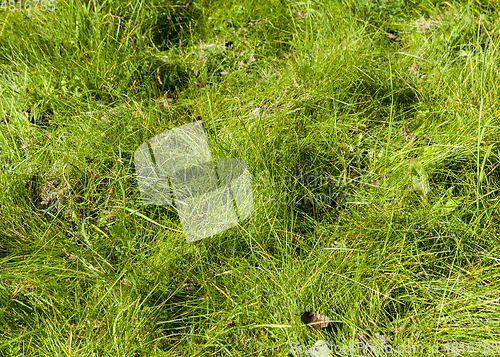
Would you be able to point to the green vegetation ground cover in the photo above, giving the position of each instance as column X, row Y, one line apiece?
column 397, row 101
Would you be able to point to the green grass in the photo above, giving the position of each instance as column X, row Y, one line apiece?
column 295, row 89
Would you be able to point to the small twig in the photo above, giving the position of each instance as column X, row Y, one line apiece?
column 166, row 98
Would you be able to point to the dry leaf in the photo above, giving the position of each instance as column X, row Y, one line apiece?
column 413, row 68
column 407, row 135
column 315, row 320
column 27, row 114
column 17, row 290
column 47, row 137
column 164, row 101
column 168, row 98
column 392, row 37
column 158, row 76
column 242, row 64
column 256, row 111
column 256, row 22
column 424, row 25
column 188, row 286
column 365, row 339
column 95, row 324
column 411, row 136
column 200, row 84
column 125, row 282
column 381, row 337
column 69, row 257
column 387, row 294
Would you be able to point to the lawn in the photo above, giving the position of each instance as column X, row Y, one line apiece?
column 370, row 132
